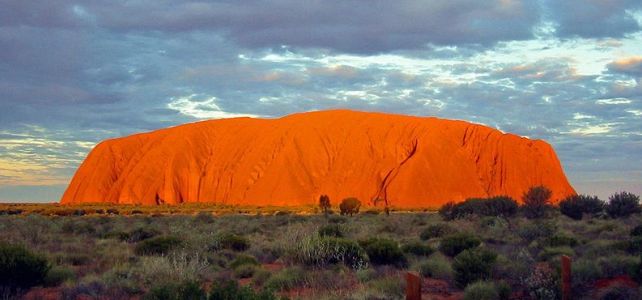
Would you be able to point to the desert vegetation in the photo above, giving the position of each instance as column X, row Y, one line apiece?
column 477, row 249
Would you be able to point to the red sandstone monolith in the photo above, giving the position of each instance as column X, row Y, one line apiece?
column 411, row 162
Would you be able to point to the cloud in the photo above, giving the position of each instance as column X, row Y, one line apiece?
column 629, row 66
column 593, row 18
column 201, row 107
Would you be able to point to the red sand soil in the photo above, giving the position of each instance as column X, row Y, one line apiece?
column 413, row 162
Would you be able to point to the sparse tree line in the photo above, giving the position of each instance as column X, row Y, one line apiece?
column 536, row 203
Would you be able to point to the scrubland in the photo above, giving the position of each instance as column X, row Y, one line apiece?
column 468, row 252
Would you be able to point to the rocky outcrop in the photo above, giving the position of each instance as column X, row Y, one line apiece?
column 408, row 161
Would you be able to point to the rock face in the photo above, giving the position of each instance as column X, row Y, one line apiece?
column 410, row 161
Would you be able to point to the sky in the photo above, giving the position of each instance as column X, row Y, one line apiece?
column 73, row 73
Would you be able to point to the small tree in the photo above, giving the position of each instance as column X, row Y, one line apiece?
column 623, row 204
column 576, row 206
column 324, row 204
column 350, row 206
column 536, row 202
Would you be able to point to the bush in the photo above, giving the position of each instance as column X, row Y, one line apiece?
column 543, row 283
column 230, row 241
column 536, row 202
column 435, row 231
column 20, row 269
column 323, row 251
column 559, row 240
column 576, row 206
column 384, row 252
column 481, row 290
column 58, row 275
column 535, row 230
column 454, row 244
column 491, row 207
column 623, row 204
column 230, row 290
column 244, row 271
column 330, row 230
column 241, row 260
column 286, row 279
column 636, row 231
column 472, row 265
column 417, row 248
column 436, row 267
column 139, row 234
column 350, row 206
column 585, row 273
column 188, row 290
column 158, row 246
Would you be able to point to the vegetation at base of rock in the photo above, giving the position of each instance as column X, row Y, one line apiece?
column 536, row 202
column 93, row 255
column 497, row 206
column 577, row 206
column 623, row 204
column 350, row 206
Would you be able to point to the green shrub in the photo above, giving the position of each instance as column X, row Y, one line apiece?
column 323, row 251
column 286, row 279
column 494, row 206
column 417, row 248
column 446, row 211
column 330, row 230
column 139, row 234
column 481, row 290
column 58, row 275
column 158, row 245
column 452, row 245
column 436, row 231
column 204, row 217
column 20, row 269
column 188, row 290
column 243, row 260
column 576, row 206
column 636, row 231
column 618, row 265
column 350, row 206
column 230, row 290
column 384, row 252
column 244, row 271
column 535, row 230
column 536, row 202
column 436, row 267
column 559, row 240
column 230, row 241
column 472, row 265
column 389, row 287
column 585, row 273
column 623, row 204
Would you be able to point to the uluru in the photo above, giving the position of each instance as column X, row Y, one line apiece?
column 412, row 162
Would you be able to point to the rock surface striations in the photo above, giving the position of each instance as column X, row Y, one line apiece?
column 410, row 161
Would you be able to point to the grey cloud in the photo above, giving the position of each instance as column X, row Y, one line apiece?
column 593, row 18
